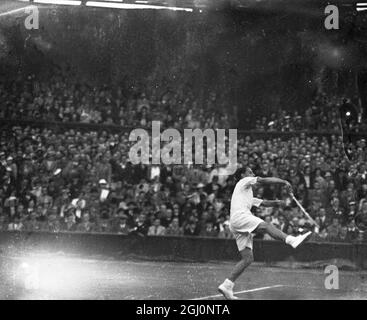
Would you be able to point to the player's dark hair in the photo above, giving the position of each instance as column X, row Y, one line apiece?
column 241, row 171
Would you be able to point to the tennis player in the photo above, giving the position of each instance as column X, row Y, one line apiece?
column 242, row 223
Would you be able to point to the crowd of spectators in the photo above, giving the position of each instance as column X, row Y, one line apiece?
column 63, row 99
column 323, row 115
column 56, row 179
column 62, row 179
column 174, row 104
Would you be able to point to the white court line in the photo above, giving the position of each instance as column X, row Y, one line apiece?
column 243, row 291
column 15, row 11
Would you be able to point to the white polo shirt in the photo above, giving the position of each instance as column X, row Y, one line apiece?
column 243, row 198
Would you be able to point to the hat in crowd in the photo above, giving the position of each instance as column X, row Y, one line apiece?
column 328, row 174
column 131, row 203
column 200, row 185
column 102, row 181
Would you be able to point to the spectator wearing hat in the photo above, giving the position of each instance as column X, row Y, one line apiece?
column 11, row 203
column 141, row 226
column 197, row 194
column 324, row 219
column 336, row 210
column 352, row 230
column 11, row 167
column 103, row 221
column 104, row 190
column 352, row 209
column 122, row 227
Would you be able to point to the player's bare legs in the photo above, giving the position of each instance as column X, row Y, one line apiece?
column 273, row 231
column 247, row 258
column 226, row 288
column 277, row 234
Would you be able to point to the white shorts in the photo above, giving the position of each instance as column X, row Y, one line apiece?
column 242, row 225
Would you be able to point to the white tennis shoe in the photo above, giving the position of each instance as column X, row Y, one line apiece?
column 296, row 241
column 226, row 289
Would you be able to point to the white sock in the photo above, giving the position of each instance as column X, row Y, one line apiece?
column 228, row 283
column 289, row 239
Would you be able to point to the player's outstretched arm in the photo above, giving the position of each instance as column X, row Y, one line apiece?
column 272, row 203
column 274, row 180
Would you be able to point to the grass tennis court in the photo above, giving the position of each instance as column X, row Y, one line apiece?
column 75, row 277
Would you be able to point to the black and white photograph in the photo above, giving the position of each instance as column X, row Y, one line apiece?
column 199, row 151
